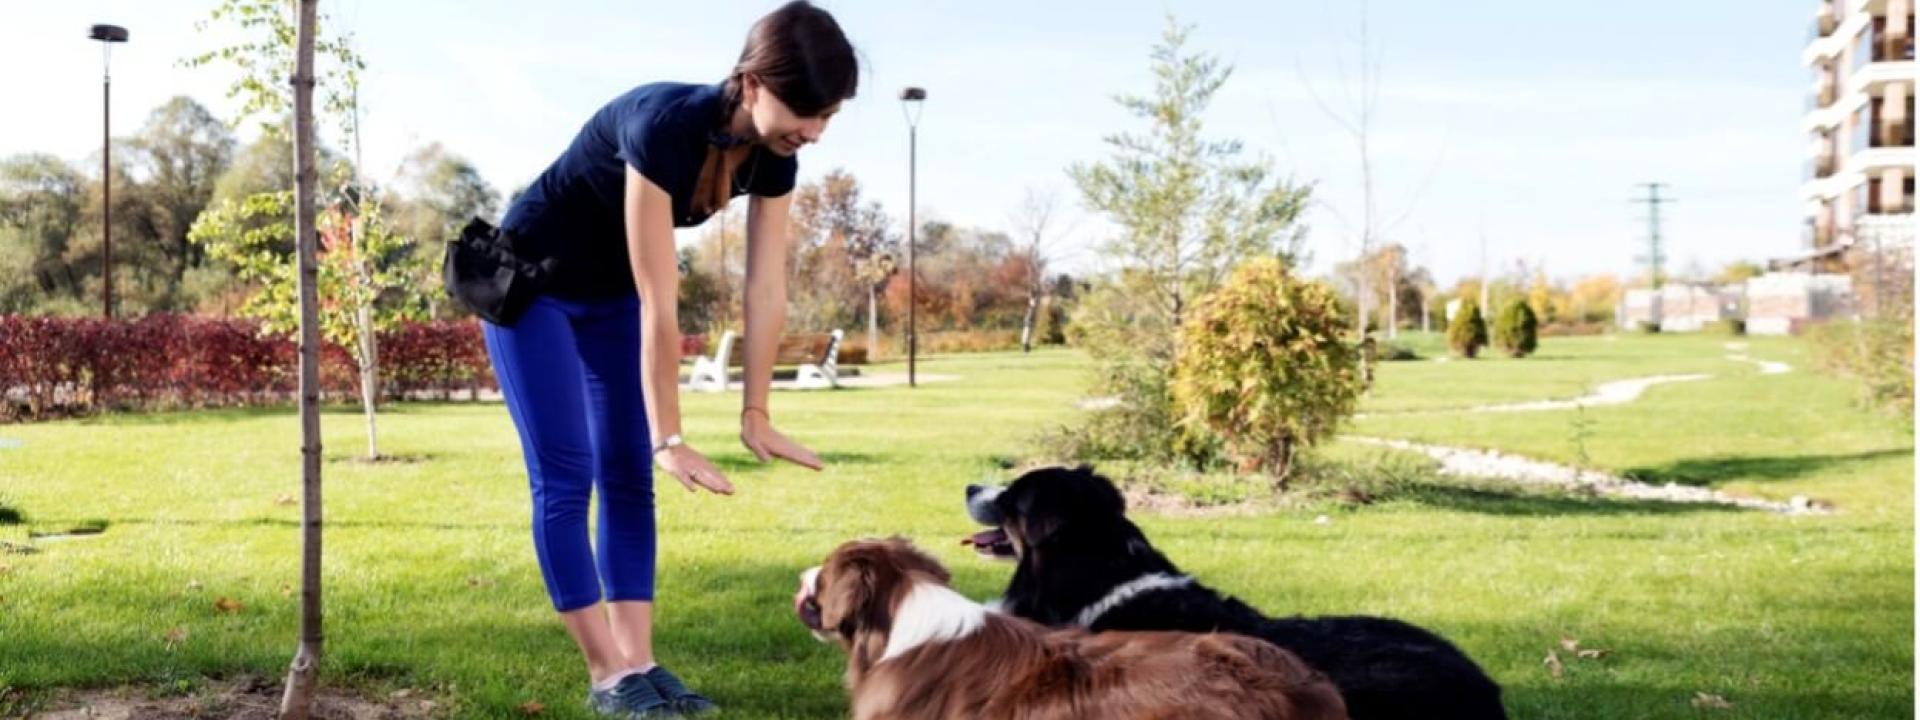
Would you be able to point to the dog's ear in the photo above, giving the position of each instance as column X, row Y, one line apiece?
column 1039, row 513
column 849, row 593
column 1098, row 492
column 911, row 559
column 1038, row 528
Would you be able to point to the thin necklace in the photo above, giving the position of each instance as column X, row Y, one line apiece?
column 753, row 169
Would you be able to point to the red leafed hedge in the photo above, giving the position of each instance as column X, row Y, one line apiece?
column 62, row 366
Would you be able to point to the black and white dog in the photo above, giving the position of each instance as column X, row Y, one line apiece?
column 1082, row 563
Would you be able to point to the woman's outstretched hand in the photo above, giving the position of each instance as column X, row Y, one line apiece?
column 766, row 443
column 692, row 470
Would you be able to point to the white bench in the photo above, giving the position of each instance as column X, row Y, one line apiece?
column 710, row 374
column 819, row 371
column 826, row 374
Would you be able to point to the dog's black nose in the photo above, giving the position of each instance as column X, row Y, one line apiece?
column 973, row 490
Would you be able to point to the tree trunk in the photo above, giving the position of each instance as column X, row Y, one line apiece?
column 1179, row 308
column 1363, row 313
column 1026, row 326
column 1393, row 302
column 303, row 675
column 873, row 322
column 1279, row 462
column 1426, row 313
column 369, row 374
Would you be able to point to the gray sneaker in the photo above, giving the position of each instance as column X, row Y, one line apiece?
column 685, row 701
column 632, row 697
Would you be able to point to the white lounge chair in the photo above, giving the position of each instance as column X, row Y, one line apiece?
column 710, row 374
column 825, row 375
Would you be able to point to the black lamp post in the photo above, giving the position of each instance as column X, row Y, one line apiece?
column 107, row 35
column 910, row 99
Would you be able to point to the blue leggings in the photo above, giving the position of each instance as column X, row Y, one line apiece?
column 570, row 372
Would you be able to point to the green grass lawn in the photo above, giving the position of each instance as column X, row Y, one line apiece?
column 1563, row 368
column 431, row 581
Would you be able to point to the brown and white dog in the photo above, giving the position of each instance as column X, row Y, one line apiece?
column 918, row 649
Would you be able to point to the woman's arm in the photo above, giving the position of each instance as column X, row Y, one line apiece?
column 656, row 273
column 766, row 310
column 766, row 293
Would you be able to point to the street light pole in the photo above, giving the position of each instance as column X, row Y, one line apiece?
column 107, row 35
column 910, row 99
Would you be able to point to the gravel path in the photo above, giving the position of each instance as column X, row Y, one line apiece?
column 1464, row 462
column 1618, row 392
column 1767, row 367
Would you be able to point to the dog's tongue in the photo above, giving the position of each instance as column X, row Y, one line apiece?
column 986, row 538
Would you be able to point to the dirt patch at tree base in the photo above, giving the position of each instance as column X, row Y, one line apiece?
column 236, row 699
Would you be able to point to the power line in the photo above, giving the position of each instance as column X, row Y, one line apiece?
column 1655, row 258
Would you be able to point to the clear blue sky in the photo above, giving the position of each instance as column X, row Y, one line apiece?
column 1539, row 117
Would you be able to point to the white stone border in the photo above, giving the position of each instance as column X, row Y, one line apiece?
column 1465, row 462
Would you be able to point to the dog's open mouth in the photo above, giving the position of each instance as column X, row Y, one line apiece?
column 991, row 543
column 806, row 604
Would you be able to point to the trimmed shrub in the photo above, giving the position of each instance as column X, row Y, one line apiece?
column 1265, row 366
column 54, row 366
column 1518, row 330
column 1468, row 331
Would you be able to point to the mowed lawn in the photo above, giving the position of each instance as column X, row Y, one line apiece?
column 431, row 582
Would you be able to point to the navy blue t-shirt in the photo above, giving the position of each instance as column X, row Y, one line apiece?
column 573, row 213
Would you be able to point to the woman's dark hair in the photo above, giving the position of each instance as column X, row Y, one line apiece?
column 798, row 53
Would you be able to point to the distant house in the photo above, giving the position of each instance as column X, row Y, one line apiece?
column 1782, row 303
column 1637, row 306
column 1678, row 307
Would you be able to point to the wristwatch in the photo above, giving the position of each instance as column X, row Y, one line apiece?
column 670, row 441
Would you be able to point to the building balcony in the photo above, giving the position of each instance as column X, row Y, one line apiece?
column 1821, row 96
column 1819, row 167
column 1815, row 236
column 1873, row 78
column 1829, row 47
column 1893, row 135
column 1826, row 189
column 1877, row 46
column 1829, row 118
column 1882, row 214
column 1823, row 24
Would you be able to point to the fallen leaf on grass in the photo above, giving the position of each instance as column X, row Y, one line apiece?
column 477, row 581
column 1572, row 645
column 228, row 605
column 1552, row 662
column 283, row 499
column 532, row 707
column 286, row 590
column 1706, row 700
column 193, row 584
column 175, row 637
